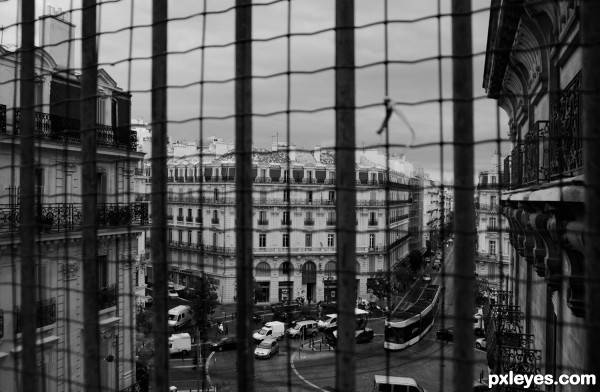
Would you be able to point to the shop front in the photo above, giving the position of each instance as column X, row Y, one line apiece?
column 286, row 288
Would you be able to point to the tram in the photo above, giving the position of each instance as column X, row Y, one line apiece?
column 408, row 327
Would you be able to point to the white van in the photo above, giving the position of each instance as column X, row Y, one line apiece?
column 180, row 316
column 304, row 329
column 396, row 384
column 180, row 343
column 272, row 329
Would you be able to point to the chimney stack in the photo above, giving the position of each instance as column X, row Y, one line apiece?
column 57, row 36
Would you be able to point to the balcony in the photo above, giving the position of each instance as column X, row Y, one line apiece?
column 180, row 218
column 535, row 145
column 286, row 222
column 308, row 222
column 189, row 219
column 199, row 219
column 214, row 221
column 373, row 223
column 107, row 297
column 45, row 314
column 170, row 217
column 52, row 218
column 516, row 172
column 51, row 127
column 263, row 222
column 330, row 222
column 566, row 147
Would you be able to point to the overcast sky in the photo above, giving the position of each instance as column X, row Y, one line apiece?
column 412, row 83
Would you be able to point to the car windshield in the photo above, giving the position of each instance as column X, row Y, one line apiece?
column 264, row 331
column 326, row 318
column 172, row 317
column 265, row 345
column 295, row 326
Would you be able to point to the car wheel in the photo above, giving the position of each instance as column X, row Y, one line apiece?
column 478, row 346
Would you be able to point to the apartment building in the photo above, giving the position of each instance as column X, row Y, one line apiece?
column 534, row 70
column 492, row 228
column 294, row 222
column 58, row 214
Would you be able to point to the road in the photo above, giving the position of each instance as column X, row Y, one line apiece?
column 293, row 369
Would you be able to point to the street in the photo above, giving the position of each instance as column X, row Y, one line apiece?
column 304, row 369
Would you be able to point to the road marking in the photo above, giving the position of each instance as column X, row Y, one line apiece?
column 206, row 368
column 302, row 378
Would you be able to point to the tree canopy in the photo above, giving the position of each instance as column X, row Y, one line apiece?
column 204, row 301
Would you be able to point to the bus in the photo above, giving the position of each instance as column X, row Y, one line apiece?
column 408, row 327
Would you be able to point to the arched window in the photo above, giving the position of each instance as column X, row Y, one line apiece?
column 286, row 268
column 330, row 268
column 309, row 272
column 263, row 269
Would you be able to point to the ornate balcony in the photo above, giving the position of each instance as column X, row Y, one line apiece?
column 263, row 222
column 45, row 314
column 566, row 147
column 3, row 119
column 308, row 222
column 64, row 129
column 516, row 167
column 67, row 217
column 534, row 148
column 107, row 297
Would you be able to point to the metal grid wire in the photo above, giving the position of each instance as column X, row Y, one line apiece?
column 101, row 214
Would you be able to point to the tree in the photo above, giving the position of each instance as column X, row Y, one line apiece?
column 482, row 290
column 414, row 260
column 404, row 276
column 204, row 301
column 383, row 285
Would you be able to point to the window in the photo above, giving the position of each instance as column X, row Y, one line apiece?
column 493, row 202
column 371, row 240
column 215, row 218
column 331, row 240
column 492, row 247
column 373, row 196
column 263, row 269
column 100, row 187
column 262, row 218
column 309, row 197
column 492, row 223
column 286, row 240
column 286, row 218
column 371, row 263
column 372, row 219
column 308, row 240
column 286, row 175
column 180, row 236
column 331, row 218
column 493, row 179
column 262, row 240
column 309, row 216
column 189, row 236
column 286, row 268
column 286, row 195
column 170, row 234
column 216, row 193
column 199, row 239
column 332, row 196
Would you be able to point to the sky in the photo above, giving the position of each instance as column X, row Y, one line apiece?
column 413, row 78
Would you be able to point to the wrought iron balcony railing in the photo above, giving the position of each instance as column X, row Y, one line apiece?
column 64, row 129
column 566, row 146
column 535, row 153
column 506, row 172
column 516, row 166
column 67, row 217
column 3, row 119
column 107, row 297
column 373, row 223
column 45, row 314
column 309, row 222
column 286, row 222
column 263, row 222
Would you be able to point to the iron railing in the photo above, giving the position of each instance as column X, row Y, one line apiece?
column 278, row 202
column 534, row 163
column 566, row 157
column 59, row 217
column 2, row 119
column 52, row 127
column 516, row 167
column 45, row 314
column 107, row 297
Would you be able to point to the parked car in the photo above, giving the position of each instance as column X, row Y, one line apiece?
column 172, row 293
column 446, row 334
column 267, row 348
column 303, row 329
column 481, row 344
column 426, row 278
column 224, row 344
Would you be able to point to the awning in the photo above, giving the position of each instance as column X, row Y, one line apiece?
column 275, row 174
column 320, row 175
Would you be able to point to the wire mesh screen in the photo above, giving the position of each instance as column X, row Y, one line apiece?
column 298, row 195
